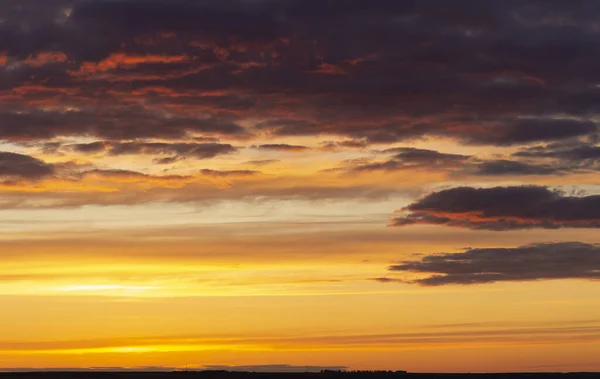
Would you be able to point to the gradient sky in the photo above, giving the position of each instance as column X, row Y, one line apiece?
column 382, row 184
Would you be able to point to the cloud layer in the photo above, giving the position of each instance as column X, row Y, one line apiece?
column 503, row 208
column 19, row 166
column 567, row 260
column 160, row 85
column 495, row 73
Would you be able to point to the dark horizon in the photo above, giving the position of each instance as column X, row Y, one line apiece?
column 225, row 374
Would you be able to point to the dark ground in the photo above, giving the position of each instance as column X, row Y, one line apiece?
column 250, row 375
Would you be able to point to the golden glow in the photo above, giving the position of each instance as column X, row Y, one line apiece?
column 143, row 267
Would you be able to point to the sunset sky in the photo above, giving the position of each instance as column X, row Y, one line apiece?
column 381, row 184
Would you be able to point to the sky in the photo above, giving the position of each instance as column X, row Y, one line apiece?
column 300, row 184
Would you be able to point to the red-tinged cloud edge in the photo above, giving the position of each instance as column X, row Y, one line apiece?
column 502, row 208
column 134, row 69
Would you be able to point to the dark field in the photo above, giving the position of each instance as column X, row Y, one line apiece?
column 251, row 375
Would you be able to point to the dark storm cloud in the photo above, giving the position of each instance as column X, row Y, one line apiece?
column 20, row 166
column 503, row 208
column 488, row 73
column 566, row 260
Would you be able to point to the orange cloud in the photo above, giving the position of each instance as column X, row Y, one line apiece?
column 47, row 57
column 118, row 60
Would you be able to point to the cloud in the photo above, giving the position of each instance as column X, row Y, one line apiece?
column 406, row 158
column 281, row 147
column 498, row 74
column 116, row 123
column 466, row 335
column 534, row 130
column 503, row 167
column 503, row 208
column 21, row 166
column 387, row 280
column 167, row 160
column 193, row 150
column 582, row 154
column 89, row 148
column 262, row 162
column 129, row 175
column 224, row 174
column 424, row 156
column 457, row 165
column 81, row 186
column 546, row 261
column 353, row 144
